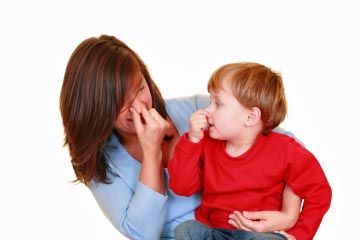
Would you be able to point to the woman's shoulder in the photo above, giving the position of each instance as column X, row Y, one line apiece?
column 180, row 109
column 192, row 103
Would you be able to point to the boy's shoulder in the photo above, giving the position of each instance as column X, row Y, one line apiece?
column 282, row 138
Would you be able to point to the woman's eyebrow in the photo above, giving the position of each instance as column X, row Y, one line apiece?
column 140, row 83
column 132, row 95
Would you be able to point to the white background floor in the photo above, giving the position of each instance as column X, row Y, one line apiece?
column 315, row 44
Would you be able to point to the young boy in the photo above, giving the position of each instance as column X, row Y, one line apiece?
column 231, row 154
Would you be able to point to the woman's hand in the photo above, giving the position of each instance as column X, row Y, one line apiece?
column 151, row 131
column 285, row 234
column 262, row 221
column 269, row 221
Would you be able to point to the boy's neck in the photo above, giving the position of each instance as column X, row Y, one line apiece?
column 238, row 146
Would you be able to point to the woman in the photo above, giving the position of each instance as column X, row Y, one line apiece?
column 121, row 133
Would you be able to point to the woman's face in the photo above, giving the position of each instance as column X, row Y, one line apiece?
column 141, row 95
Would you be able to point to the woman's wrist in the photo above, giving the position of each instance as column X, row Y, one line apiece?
column 152, row 153
column 291, row 219
column 151, row 173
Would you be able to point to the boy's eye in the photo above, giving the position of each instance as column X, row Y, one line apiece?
column 215, row 103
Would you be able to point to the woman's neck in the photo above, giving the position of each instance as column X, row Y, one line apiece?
column 132, row 146
column 168, row 147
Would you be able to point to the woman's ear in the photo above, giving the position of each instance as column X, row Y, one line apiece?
column 254, row 117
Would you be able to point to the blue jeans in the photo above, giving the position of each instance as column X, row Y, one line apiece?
column 195, row 230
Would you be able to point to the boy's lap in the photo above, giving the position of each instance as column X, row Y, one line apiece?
column 193, row 229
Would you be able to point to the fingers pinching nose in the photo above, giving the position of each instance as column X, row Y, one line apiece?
column 133, row 110
column 207, row 113
column 137, row 120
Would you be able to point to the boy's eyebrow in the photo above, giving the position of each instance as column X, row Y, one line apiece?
column 215, row 97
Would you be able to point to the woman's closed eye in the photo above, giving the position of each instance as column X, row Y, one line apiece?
column 137, row 92
column 140, row 89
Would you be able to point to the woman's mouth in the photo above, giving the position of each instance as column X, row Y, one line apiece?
column 141, row 117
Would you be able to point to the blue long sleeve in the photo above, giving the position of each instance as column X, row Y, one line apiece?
column 135, row 210
column 132, row 213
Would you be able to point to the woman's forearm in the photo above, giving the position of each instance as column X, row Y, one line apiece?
column 266, row 221
column 151, row 173
column 290, row 207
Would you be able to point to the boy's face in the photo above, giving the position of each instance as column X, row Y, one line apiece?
column 228, row 116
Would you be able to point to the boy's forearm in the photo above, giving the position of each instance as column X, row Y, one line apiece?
column 184, row 169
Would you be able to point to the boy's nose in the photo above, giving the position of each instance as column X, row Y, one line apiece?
column 209, row 109
column 210, row 120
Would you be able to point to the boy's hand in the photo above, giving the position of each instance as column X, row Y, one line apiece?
column 198, row 123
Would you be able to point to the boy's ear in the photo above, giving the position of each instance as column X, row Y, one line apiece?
column 254, row 117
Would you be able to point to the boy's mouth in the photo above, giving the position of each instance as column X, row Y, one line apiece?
column 209, row 126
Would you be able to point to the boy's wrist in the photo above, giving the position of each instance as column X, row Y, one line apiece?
column 192, row 138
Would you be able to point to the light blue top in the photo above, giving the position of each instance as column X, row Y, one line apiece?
column 134, row 209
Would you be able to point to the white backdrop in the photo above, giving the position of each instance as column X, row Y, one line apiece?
column 315, row 44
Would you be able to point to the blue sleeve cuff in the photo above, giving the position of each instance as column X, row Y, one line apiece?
column 147, row 214
column 147, row 202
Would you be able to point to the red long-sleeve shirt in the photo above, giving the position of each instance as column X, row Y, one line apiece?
column 253, row 181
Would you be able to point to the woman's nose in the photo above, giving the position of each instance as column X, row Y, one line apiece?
column 137, row 105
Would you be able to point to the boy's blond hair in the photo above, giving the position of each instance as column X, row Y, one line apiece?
column 254, row 85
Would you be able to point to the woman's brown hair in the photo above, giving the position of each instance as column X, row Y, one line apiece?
column 99, row 77
column 255, row 85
